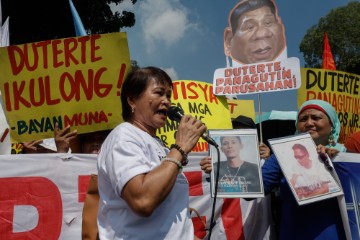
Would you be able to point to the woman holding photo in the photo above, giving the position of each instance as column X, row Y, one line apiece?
column 317, row 220
column 235, row 169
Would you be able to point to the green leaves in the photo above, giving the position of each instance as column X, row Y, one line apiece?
column 98, row 18
column 343, row 28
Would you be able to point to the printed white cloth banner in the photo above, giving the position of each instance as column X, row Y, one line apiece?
column 43, row 194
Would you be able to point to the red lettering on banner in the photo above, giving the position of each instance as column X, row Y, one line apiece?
column 86, row 118
column 17, row 95
column 195, row 183
column 42, row 93
column 61, row 52
column 39, row 192
column 71, row 87
column 192, row 90
column 121, row 78
column 201, row 147
column 199, row 229
column 57, row 52
column 83, row 185
column 232, row 107
column 4, row 135
column 212, row 97
column 219, row 81
column 232, row 220
column 195, row 189
column 89, row 84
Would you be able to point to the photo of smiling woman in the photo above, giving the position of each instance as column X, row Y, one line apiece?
column 237, row 174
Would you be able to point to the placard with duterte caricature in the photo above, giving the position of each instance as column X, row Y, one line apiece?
column 197, row 99
column 72, row 81
column 340, row 89
column 258, row 78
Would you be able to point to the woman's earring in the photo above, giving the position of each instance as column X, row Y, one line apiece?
column 332, row 140
column 132, row 109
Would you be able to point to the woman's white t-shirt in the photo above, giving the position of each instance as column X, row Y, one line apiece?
column 127, row 152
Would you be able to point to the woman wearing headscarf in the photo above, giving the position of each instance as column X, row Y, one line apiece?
column 323, row 124
column 318, row 220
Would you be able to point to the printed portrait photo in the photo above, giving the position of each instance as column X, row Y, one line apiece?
column 308, row 175
column 239, row 171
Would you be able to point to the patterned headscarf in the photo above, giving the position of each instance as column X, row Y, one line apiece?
column 331, row 113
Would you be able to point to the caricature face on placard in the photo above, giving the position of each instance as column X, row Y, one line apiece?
column 255, row 33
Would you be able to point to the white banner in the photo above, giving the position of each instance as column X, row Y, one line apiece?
column 258, row 78
column 42, row 196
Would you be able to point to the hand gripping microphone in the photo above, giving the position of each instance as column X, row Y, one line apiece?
column 175, row 114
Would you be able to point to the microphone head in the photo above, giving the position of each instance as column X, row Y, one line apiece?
column 175, row 113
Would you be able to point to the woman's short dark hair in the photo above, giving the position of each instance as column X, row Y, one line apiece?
column 246, row 6
column 222, row 138
column 136, row 82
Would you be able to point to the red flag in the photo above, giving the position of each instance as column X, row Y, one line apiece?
column 328, row 60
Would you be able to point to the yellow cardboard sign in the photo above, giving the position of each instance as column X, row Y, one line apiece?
column 197, row 99
column 241, row 107
column 73, row 81
column 340, row 89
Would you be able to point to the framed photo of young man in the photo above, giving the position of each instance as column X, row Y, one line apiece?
column 236, row 164
column 309, row 176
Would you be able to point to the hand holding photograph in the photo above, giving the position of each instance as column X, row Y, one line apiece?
column 309, row 176
column 238, row 163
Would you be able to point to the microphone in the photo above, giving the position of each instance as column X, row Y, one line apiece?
column 176, row 113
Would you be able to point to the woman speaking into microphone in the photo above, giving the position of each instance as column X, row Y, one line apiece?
column 143, row 194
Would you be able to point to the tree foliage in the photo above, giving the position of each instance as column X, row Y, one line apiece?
column 343, row 28
column 33, row 21
column 98, row 18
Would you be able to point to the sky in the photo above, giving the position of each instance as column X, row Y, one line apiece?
column 186, row 38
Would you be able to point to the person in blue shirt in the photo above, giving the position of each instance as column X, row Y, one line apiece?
column 317, row 220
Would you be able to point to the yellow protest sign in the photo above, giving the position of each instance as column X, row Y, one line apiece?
column 241, row 107
column 197, row 99
column 340, row 89
column 73, row 81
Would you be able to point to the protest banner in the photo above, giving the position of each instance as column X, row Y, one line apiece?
column 241, row 107
column 44, row 199
column 340, row 89
column 197, row 99
column 72, row 81
column 258, row 78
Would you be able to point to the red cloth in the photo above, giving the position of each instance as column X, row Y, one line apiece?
column 328, row 60
column 352, row 143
